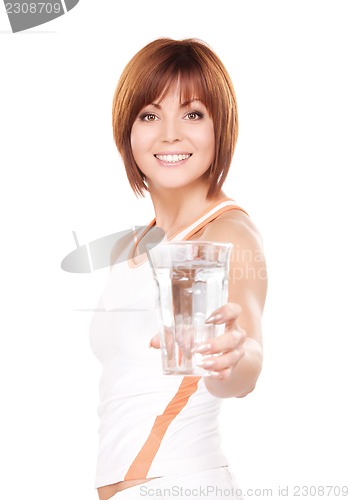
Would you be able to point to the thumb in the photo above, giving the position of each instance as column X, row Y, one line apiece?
column 155, row 342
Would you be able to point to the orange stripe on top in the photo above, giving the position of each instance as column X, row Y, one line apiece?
column 207, row 210
column 143, row 461
column 132, row 251
column 211, row 217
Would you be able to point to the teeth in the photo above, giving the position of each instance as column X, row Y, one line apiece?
column 172, row 158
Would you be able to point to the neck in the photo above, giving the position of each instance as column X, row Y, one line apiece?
column 175, row 209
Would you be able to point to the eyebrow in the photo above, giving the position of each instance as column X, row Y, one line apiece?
column 182, row 105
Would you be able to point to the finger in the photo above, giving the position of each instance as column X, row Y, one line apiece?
column 227, row 361
column 222, row 375
column 226, row 342
column 230, row 340
column 155, row 342
column 226, row 313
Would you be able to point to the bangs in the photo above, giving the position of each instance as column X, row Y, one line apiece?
column 190, row 80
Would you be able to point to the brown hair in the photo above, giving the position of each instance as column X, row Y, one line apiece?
column 148, row 77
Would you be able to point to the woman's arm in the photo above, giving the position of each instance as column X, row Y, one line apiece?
column 238, row 352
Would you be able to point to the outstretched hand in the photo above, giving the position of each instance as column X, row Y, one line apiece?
column 220, row 354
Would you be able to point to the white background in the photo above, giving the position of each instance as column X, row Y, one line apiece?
column 60, row 172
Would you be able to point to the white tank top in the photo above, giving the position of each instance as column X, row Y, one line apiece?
column 150, row 424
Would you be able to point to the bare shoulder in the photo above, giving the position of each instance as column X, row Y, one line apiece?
column 234, row 226
column 249, row 269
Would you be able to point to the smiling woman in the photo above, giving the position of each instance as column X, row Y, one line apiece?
column 194, row 72
column 156, row 136
column 175, row 125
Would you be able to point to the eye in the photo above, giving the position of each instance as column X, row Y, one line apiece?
column 148, row 117
column 194, row 115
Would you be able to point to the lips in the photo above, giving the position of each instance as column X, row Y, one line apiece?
column 173, row 158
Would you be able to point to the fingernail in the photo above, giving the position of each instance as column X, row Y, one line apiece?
column 216, row 375
column 206, row 363
column 201, row 348
column 214, row 317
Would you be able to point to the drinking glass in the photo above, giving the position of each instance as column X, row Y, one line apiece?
column 192, row 282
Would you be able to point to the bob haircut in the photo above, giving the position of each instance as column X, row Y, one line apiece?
column 201, row 75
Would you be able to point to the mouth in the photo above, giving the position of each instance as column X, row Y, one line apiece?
column 173, row 159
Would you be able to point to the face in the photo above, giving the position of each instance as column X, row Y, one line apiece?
column 173, row 142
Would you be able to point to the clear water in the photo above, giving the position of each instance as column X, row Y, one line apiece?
column 187, row 296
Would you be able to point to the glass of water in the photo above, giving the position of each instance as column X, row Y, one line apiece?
column 192, row 282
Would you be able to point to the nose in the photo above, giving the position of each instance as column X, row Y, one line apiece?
column 170, row 130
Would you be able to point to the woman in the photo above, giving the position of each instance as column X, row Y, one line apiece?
column 175, row 125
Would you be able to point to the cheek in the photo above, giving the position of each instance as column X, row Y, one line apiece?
column 134, row 139
column 207, row 140
column 140, row 139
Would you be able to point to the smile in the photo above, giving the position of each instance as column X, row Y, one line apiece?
column 173, row 158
